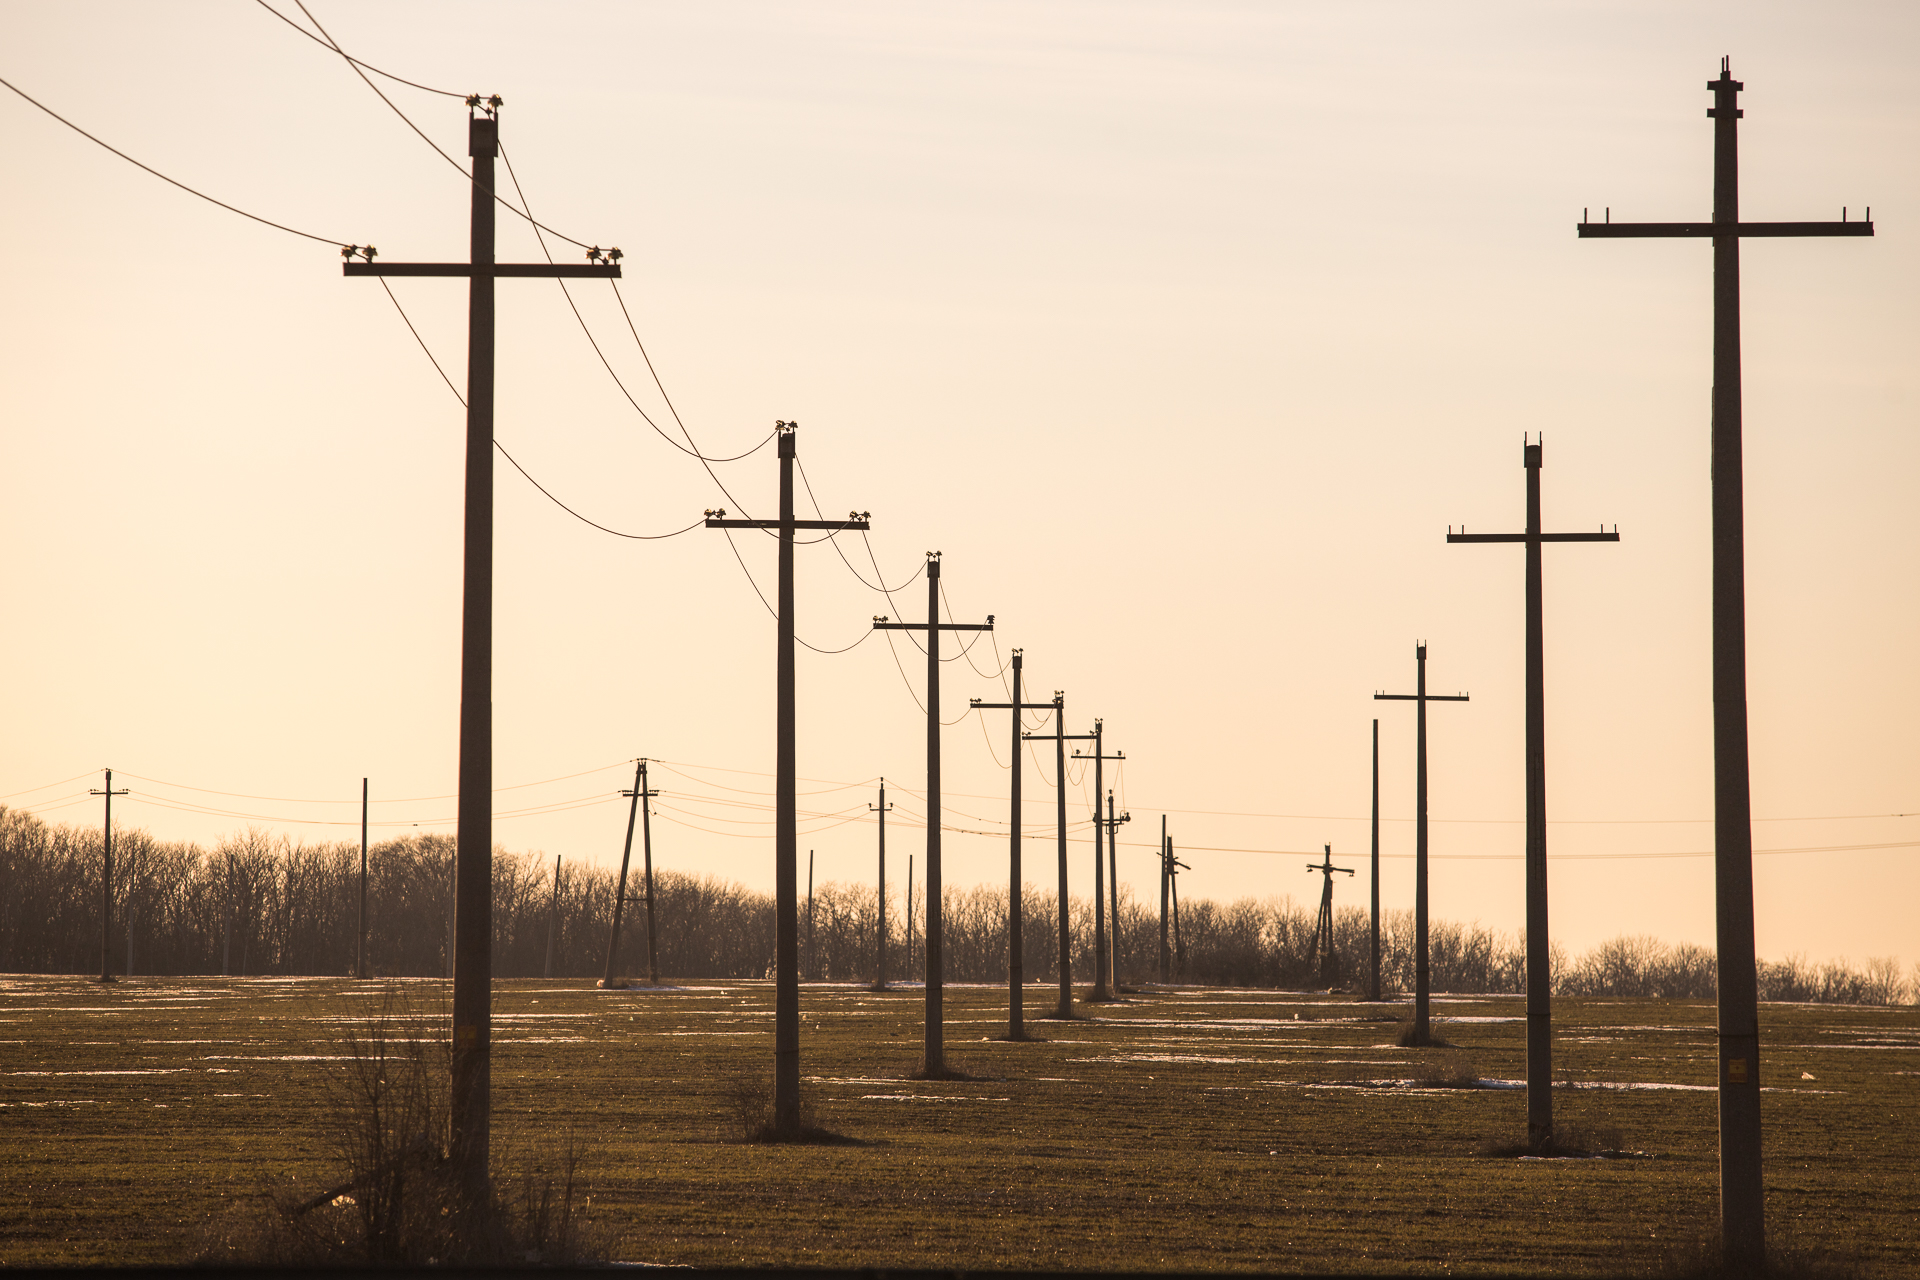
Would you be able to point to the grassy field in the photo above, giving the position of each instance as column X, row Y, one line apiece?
column 1179, row 1129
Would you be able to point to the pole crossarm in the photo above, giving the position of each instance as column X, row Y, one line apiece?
column 498, row 270
column 1604, row 535
column 1421, row 697
column 881, row 624
column 1705, row 230
column 978, row 705
column 849, row 523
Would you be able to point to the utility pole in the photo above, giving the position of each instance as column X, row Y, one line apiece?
column 471, row 1074
column 360, row 948
column 1060, row 737
column 935, row 1034
column 1016, row 948
column 1420, row 699
column 1174, row 868
column 609, row 982
column 1166, row 853
column 646, row 853
column 1112, row 825
column 1323, row 931
column 1742, row 1229
column 880, row 934
column 553, row 915
column 1100, row 990
column 106, row 880
column 1539, row 955
column 1373, row 980
column 909, row 913
column 813, row 956
column 786, row 838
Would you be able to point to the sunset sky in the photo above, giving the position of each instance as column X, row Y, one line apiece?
column 1184, row 331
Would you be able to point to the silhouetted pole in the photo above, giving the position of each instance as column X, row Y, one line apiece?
column 646, row 855
column 1100, row 989
column 1016, row 947
column 1166, row 852
column 1174, row 868
column 1741, row 1198
column 813, row 955
column 935, row 1030
column 553, row 915
column 472, row 959
column 620, row 887
column 1323, row 930
column 1420, row 700
column 786, row 837
column 909, row 913
column 1060, row 738
column 106, row 880
column 1539, row 954
column 1373, row 981
column 1112, row 825
column 880, row 936
column 360, row 940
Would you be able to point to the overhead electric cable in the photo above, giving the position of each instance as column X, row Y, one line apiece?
column 770, row 609
column 448, row 93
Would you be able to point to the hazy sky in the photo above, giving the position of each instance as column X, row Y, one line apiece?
column 1184, row 331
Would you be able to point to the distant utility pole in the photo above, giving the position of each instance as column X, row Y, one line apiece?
column 1742, row 1230
column 646, row 854
column 1373, row 979
column 1100, row 989
column 471, row 1075
column 620, row 889
column 935, row 1034
column 1174, row 868
column 1166, row 852
column 786, row 837
column 880, row 934
column 813, row 956
column 1420, row 699
column 909, row 913
column 1323, row 932
column 106, row 880
column 1112, row 825
column 1539, row 956
column 360, row 945
column 1016, row 949
column 1060, row 738
column 553, row 915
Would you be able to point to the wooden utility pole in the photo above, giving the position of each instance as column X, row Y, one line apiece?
column 1101, row 992
column 1420, row 699
column 935, row 1034
column 786, row 837
column 1166, row 875
column 1174, row 868
column 360, row 943
column 909, row 913
column 813, row 955
column 1060, row 738
column 471, row 1073
column 1539, row 955
column 106, row 879
column 1112, row 826
column 1742, row 1230
column 1373, row 978
column 1016, row 949
column 646, row 855
column 880, row 933
column 1323, row 931
column 639, row 791
column 553, row 915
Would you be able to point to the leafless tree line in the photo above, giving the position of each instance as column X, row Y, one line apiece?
column 265, row 905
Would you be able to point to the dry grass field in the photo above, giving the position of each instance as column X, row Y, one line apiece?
column 1182, row 1128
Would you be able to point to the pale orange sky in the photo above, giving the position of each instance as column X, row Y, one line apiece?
column 1184, row 331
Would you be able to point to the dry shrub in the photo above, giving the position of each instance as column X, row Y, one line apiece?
column 749, row 1103
column 1406, row 1035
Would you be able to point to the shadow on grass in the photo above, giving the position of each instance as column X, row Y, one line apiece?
column 945, row 1071
column 1569, row 1142
column 1025, row 1037
column 750, row 1101
column 1408, row 1036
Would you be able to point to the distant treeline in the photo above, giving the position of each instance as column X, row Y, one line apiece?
column 256, row 904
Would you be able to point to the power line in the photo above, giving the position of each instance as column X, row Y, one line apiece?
column 448, row 93
column 277, row 226
column 770, row 609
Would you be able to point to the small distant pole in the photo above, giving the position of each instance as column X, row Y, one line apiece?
column 646, row 852
column 909, row 913
column 813, row 956
column 1113, row 893
column 1059, row 738
column 1016, row 942
column 1323, row 932
column 1101, row 992
column 106, row 881
column 360, row 942
column 1373, row 982
column 1174, row 868
column 1166, row 852
column 626, row 854
column 553, row 914
column 880, row 935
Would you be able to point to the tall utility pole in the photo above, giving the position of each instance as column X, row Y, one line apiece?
column 1742, row 1230
column 1016, row 948
column 880, row 915
column 646, row 855
column 1060, row 737
column 620, row 887
column 1539, row 956
column 1323, row 931
column 553, row 915
column 360, row 944
column 813, row 955
column 106, row 880
column 471, row 1074
column 1420, row 699
column 1100, row 990
column 1112, row 825
column 786, row 837
column 1166, row 876
column 1373, row 978
column 936, row 1062
column 1174, row 868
